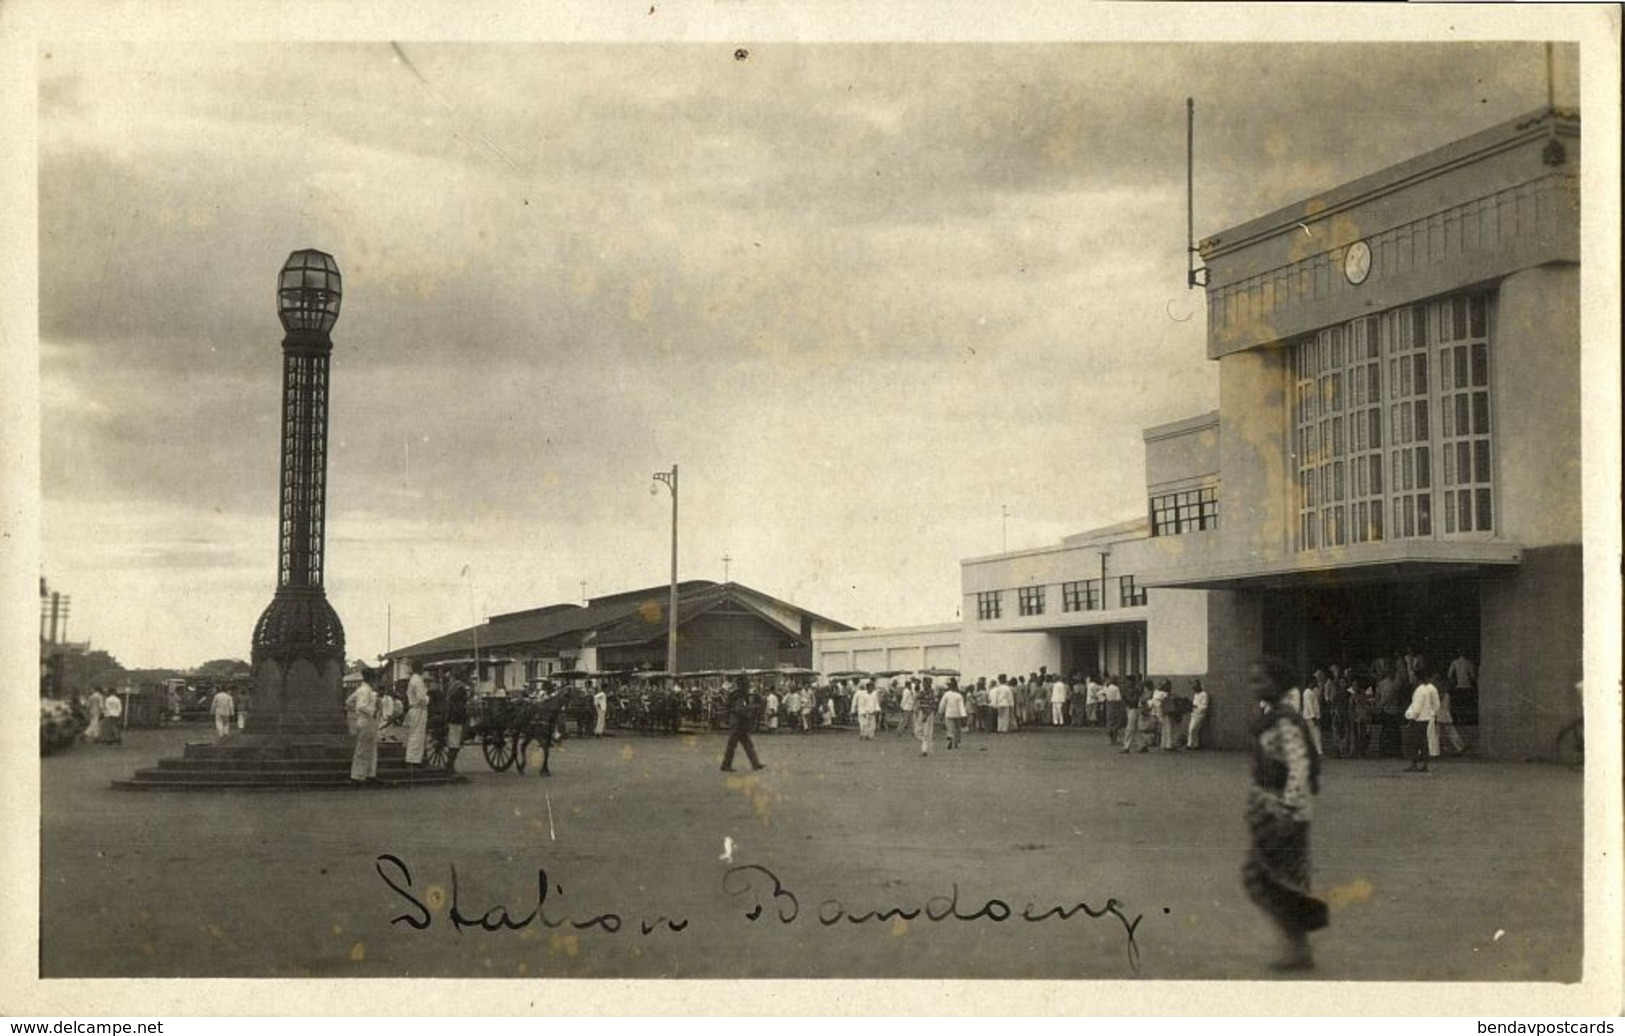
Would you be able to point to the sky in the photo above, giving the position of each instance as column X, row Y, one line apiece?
column 867, row 296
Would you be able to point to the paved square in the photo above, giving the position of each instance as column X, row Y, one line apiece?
column 1472, row 873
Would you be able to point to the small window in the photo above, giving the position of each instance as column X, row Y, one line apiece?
column 1030, row 600
column 1128, row 593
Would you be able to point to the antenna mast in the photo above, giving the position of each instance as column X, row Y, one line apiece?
column 1195, row 276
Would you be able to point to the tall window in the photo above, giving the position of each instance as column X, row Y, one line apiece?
column 1193, row 510
column 1365, row 436
column 1464, row 413
column 1410, row 457
column 1129, row 594
column 987, row 605
column 1320, row 437
column 1031, row 600
column 1081, row 596
column 1364, row 408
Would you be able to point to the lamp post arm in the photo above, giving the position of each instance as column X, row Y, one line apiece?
column 671, row 631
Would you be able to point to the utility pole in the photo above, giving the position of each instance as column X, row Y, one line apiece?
column 669, row 480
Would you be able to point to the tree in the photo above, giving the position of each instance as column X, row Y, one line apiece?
column 91, row 669
column 223, row 668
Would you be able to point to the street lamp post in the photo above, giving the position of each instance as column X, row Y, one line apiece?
column 669, row 479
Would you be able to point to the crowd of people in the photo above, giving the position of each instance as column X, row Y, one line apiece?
column 1356, row 712
column 1135, row 714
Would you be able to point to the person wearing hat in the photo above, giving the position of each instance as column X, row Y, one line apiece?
column 742, row 709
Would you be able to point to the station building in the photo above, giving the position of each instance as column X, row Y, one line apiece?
column 720, row 626
column 1394, row 465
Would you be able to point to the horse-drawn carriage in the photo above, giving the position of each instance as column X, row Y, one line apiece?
column 504, row 726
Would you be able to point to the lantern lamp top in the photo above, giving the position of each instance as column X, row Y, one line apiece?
column 309, row 291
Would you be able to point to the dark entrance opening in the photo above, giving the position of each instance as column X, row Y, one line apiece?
column 1311, row 627
column 1114, row 649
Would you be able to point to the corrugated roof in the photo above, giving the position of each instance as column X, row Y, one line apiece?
column 633, row 617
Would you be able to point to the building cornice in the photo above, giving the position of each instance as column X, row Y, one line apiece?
column 1389, row 560
column 1399, row 177
column 1184, row 426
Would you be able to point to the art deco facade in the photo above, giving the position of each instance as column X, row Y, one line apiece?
column 1394, row 465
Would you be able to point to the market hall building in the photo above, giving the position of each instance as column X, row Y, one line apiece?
column 1394, row 465
column 720, row 626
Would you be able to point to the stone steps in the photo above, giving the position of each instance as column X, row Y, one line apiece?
column 257, row 762
column 285, row 782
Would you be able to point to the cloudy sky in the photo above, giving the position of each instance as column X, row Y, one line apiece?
column 864, row 294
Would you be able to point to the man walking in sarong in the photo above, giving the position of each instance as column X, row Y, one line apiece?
column 1286, row 775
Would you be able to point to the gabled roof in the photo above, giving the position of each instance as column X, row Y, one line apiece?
column 649, row 622
column 633, row 617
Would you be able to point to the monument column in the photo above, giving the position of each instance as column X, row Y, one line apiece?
column 298, row 649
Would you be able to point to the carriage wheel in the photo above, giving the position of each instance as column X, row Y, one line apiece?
column 437, row 754
column 499, row 753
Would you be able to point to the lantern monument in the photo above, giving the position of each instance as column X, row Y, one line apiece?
column 298, row 647
column 297, row 735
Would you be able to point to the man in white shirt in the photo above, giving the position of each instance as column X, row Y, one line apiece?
column 1423, row 714
column 1311, row 709
column 867, row 702
column 1199, row 703
column 1004, row 703
column 1058, row 694
column 221, row 707
column 362, row 706
column 113, row 719
column 600, row 708
column 952, row 707
column 417, row 717
column 772, row 712
column 1112, row 696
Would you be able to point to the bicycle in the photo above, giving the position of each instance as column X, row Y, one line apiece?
column 1569, row 747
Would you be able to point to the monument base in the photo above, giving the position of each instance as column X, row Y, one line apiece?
column 281, row 761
